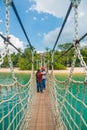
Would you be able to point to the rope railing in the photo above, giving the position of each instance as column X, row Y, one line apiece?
column 2, row 55
column 69, row 98
column 15, row 100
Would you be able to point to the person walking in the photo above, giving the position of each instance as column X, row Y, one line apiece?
column 44, row 73
column 39, row 81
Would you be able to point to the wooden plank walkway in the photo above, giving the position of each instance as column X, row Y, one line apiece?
column 41, row 115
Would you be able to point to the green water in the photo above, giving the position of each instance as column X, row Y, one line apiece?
column 78, row 91
column 6, row 78
column 77, row 77
column 23, row 79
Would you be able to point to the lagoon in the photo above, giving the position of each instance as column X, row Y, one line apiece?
column 23, row 79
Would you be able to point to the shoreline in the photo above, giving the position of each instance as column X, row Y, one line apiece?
column 77, row 70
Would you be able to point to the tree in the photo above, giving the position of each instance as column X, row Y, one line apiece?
column 64, row 47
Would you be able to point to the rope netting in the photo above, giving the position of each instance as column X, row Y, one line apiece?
column 70, row 101
column 2, row 55
column 15, row 99
column 70, row 96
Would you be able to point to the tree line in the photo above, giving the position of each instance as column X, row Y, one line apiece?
column 24, row 60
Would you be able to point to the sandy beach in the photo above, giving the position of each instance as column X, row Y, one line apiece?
column 17, row 70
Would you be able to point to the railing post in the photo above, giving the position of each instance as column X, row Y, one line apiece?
column 41, row 59
column 44, row 60
column 7, row 2
column 32, row 61
column 48, row 65
column 37, row 65
column 52, row 62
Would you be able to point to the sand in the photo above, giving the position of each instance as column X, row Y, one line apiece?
column 17, row 70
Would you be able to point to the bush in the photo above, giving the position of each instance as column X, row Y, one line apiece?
column 59, row 66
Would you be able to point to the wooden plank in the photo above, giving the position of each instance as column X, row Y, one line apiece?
column 41, row 115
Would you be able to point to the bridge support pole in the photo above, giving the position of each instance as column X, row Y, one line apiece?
column 48, row 65
column 41, row 59
column 44, row 60
column 52, row 62
column 32, row 61
column 37, row 64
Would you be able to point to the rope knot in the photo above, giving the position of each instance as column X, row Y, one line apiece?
column 76, row 42
column 85, row 82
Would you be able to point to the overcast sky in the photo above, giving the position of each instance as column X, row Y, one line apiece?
column 42, row 20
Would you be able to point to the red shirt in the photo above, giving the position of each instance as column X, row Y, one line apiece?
column 39, row 76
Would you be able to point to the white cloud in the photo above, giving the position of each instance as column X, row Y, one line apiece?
column 27, row 11
column 52, row 7
column 15, row 41
column 83, row 44
column 42, row 19
column 68, row 33
column 1, row 21
column 40, row 52
column 34, row 18
column 58, row 8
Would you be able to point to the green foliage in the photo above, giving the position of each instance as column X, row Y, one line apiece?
column 24, row 60
column 5, row 63
column 64, row 47
column 14, row 58
column 59, row 66
column 24, row 64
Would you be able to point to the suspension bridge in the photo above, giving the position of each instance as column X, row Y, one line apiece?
column 63, row 104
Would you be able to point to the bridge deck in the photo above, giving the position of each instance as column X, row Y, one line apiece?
column 41, row 116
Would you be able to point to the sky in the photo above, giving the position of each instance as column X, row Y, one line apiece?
column 42, row 20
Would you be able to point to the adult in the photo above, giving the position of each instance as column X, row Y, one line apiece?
column 44, row 73
column 39, row 81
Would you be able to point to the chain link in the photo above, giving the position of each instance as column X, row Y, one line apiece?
column 52, row 62
column 2, row 55
column 73, row 65
column 8, row 2
column 76, row 23
column 7, row 35
column 75, row 5
column 75, row 2
column 77, row 51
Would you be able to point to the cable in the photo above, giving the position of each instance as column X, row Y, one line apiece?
column 68, row 12
column 7, row 39
column 76, row 42
column 17, row 15
column 83, row 37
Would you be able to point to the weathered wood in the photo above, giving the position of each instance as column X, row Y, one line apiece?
column 41, row 115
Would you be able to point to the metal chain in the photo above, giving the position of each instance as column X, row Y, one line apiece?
column 82, row 62
column 73, row 65
column 76, row 23
column 32, row 61
column 7, row 36
column 75, row 5
column 2, row 55
column 75, row 2
column 77, row 51
column 52, row 62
